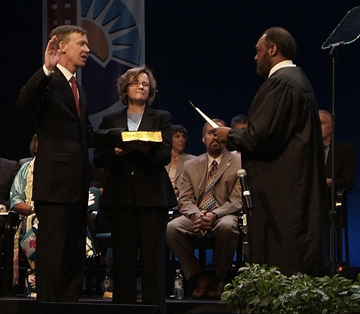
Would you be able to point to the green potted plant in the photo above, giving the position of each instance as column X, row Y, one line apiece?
column 263, row 289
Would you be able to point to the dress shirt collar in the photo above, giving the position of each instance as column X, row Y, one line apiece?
column 66, row 72
column 282, row 64
column 210, row 159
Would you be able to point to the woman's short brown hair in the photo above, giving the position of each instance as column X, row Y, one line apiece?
column 124, row 80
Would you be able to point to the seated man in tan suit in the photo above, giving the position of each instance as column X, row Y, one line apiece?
column 209, row 201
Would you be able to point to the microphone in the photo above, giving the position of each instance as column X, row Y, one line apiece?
column 241, row 174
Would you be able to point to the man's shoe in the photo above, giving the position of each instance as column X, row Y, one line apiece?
column 202, row 286
column 216, row 289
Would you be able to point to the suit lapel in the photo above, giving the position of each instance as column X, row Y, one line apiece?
column 224, row 165
column 148, row 120
column 67, row 91
column 120, row 120
column 82, row 101
column 201, row 168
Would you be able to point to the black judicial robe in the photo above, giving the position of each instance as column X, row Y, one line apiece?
column 283, row 155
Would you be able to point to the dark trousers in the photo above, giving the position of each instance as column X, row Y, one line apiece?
column 144, row 229
column 60, row 251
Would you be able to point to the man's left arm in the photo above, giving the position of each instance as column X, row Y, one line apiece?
column 233, row 202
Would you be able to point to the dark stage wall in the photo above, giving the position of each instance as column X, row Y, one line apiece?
column 203, row 50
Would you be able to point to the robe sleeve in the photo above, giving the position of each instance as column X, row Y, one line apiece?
column 272, row 120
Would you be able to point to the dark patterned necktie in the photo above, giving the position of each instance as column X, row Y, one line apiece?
column 74, row 88
column 208, row 203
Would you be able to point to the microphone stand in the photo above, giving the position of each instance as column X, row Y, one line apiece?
column 333, row 53
column 243, row 228
column 245, row 238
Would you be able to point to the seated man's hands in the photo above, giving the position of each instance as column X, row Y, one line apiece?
column 203, row 221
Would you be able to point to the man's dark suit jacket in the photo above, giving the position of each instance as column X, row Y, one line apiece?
column 8, row 171
column 137, row 179
column 344, row 166
column 61, row 165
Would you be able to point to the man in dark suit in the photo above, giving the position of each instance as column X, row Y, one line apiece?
column 343, row 180
column 344, row 165
column 221, row 219
column 60, row 188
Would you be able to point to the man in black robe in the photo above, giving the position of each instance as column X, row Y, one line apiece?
column 284, row 159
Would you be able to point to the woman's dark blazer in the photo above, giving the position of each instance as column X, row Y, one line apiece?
column 137, row 179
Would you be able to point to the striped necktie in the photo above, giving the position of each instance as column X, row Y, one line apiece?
column 208, row 202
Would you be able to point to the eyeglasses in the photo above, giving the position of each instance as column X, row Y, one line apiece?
column 137, row 84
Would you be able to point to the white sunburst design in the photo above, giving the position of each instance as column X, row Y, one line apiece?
column 123, row 41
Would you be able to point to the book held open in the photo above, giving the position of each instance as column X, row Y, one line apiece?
column 146, row 136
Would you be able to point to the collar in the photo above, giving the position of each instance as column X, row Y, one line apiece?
column 66, row 72
column 282, row 64
column 210, row 159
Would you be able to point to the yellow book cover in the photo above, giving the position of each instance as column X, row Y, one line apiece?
column 145, row 136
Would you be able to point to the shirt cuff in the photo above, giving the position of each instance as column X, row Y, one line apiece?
column 46, row 71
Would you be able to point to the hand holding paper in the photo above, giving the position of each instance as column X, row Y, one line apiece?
column 211, row 122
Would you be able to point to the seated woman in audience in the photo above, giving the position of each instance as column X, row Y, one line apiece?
column 178, row 156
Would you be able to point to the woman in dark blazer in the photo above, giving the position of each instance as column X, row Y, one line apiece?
column 138, row 192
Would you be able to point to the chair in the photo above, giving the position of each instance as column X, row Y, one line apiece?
column 11, row 225
column 90, row 272
column 203, row 244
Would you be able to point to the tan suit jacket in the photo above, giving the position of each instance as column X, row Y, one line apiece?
column 227, row 190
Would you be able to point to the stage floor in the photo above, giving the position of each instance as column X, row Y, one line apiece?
column 22, row 305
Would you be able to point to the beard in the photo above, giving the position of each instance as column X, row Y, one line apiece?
column 216, row 150
column 264, row 66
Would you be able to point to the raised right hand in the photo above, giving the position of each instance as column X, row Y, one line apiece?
column 52, row 54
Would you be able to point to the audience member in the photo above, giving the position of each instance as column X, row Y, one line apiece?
column 21, row 189
column 60, row 188
column 31, row 148
column 178, row 156
column 239, row 122
column 344, row 174
column 345, row 157
column 207, row 207
column 138, row 191
column 8, row 170
column 282, row 153
column 21, row 201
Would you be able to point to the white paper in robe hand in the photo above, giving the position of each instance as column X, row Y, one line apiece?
column 91, row 199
